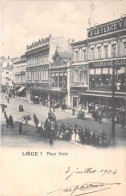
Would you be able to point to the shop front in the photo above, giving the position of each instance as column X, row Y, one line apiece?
column 96, row 100
column 101, row 75
column 58, row 98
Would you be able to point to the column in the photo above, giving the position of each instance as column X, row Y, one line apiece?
column 68, row 87
column 102, row 51
column 109, row 50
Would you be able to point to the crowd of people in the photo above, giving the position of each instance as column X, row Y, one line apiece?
column 51, row 129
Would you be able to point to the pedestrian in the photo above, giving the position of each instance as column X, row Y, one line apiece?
column 8, row 99
column 51, row 139
column 53, row 107
column 19, row 108
column 5, row 114
column 22, row 109
column 73, row 111
column 11, row 121
column 3, row 108
column 36, row 121
column 100, row 116
column 26, row 119
column 7, row 121
column 20, row 128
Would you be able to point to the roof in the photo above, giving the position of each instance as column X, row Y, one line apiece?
column 63, row 54
column 39, row 43
column 9, row 67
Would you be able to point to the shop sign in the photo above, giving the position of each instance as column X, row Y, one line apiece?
column 78, row 84
column 114, row 26
column 119, row 62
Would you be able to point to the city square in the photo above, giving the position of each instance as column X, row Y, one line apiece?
column 30, row 136
column 63, row 98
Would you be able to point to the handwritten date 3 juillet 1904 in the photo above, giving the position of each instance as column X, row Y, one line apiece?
column 88, row 187
column 89, row 170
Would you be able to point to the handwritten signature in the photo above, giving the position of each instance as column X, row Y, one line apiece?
column 87, row 188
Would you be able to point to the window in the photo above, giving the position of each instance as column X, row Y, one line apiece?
column 47, row 76
column 106, row 51
column 91, row 71
column 76, row 75
column 113, row 50
column 105, row 71
column 81, row 76
column 99, row 52
column 92, row 53
column 41, row 75
column 84, row 54
column 124, row 48
column 76, row 55
column 98, row 71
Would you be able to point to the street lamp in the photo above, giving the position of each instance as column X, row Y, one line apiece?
column 50, row 98
column 114, row 68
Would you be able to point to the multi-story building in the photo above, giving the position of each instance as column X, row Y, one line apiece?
column 37, row 63
column 20, row 74
column 60, row 77
column 104, row 52
column 79, row 71
column 7, row 72
column 38, row 57
column 107, row 56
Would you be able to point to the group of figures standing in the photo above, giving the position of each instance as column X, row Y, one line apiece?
column 50, row 129
column 9, row 118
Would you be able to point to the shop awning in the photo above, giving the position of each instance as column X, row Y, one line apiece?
column 104, row 94
column 17, row 86
column 21, row 89
column 122, row 70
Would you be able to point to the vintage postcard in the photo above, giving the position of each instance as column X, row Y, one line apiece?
column 63, row 98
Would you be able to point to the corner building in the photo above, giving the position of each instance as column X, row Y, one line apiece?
column 102, row 51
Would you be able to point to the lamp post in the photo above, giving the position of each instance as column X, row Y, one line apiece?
column 114, row 68
column 113, row 103
column 50, row 98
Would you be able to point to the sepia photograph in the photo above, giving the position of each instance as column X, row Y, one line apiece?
column 63, row 98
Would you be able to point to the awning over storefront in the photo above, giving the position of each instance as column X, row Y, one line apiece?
column 122, row 70
column 21, row 89
column 17, row 87
column 104, row 94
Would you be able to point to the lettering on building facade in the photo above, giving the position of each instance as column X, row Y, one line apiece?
column 107, row 28
column 121, row 62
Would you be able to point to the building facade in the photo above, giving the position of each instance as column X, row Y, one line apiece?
column 7, row 72
column 104, row 52
column 79, row 72
column 38, row 58
column 60, row 77
column 20, row 75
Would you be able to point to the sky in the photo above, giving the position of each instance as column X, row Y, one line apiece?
column 24, row 21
